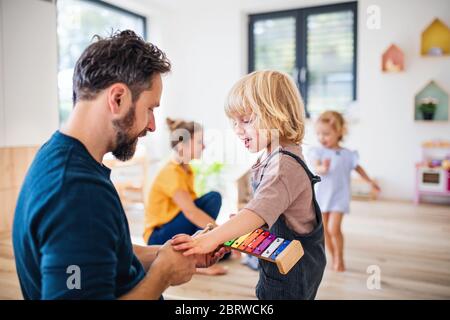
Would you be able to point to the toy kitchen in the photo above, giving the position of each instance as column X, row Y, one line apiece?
column 433, row 172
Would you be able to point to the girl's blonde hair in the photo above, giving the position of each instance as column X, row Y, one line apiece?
column 182, row 131
column 272, row 98
column 335, row 120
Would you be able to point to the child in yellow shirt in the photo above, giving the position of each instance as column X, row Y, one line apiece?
column 173, row 206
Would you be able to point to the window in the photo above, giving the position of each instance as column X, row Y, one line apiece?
column 77, row 22
column 317, row 46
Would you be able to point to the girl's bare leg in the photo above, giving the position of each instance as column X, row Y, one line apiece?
column 328, row 242
column 334, row 229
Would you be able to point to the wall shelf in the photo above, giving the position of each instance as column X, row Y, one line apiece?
column 393, row 60
column 436, row 39
column 432, row 90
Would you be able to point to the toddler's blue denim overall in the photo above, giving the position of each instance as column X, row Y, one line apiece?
column 303, row 280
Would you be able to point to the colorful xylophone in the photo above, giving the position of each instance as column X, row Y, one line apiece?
column 267, row 246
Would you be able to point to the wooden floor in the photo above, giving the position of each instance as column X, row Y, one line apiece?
column 409, row 244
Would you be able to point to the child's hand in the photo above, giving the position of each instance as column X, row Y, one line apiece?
column 326, row 164
column 375, row 186
column 200, row 244
column 323, row 166
column 203, row 260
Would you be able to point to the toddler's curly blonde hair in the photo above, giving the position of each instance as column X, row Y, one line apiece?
column 335, row 120
column 273, row 100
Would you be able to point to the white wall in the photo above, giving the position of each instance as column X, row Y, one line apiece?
column 207, row 43
column 207, row 40
column 204, row 41
column 385, row 134
column 157, row 17
column 29, row 72
column 28, row 68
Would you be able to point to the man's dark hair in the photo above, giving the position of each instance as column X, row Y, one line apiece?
column 123, row 57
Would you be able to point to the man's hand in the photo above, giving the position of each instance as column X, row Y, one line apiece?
column 146, row 254
column 204, row 260
column 169, row 268
column 208, row 259
column 174, row 267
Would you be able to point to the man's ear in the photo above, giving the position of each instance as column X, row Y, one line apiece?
column 117, row 96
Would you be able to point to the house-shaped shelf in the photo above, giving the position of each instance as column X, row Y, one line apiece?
column 436, row 39
column 393, row 60
column 432, row 90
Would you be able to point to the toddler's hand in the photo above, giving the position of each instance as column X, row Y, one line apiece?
column 326, row 165
column 193, row 245
column 375, row 186
column 201, row 260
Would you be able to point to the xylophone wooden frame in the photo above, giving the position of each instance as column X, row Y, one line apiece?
column 290, row 255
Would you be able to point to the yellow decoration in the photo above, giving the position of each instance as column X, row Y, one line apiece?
column 436, row 39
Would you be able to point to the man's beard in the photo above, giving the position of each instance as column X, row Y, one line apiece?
column 125, row 143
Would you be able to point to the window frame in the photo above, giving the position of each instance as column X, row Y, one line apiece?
column 300, row 15
column 103, row 5
column 121, row 10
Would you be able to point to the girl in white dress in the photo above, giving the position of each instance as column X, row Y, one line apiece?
column 334, row 164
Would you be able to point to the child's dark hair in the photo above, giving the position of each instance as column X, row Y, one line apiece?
column 181, row 131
